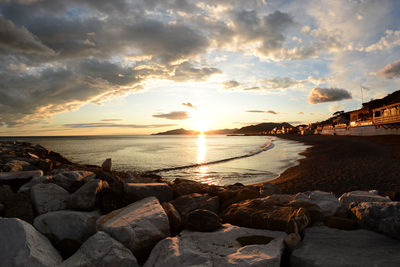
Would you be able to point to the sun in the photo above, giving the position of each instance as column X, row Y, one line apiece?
column 201, row 126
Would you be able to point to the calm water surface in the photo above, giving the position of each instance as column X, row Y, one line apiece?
column 260, row 158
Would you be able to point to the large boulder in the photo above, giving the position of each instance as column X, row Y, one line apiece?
column 182, row 187
column 229, row 246
column 19, row 206
column 101, row 250
column 138, row 191
column 18, row 165
column 229, row 196
column 139, row 226
column 72, row 180
column 327, row 202
column 268, row 189
column 16, row 179
column 26, row 188
column 22, row 245
column 49, row 197
column 361, row 196
column 67, row 229
column 85, row 197
column 188, row 203
column 383, row 217
column 203, row 221
column 263, row 213
column 174, row 218
column 327, row 247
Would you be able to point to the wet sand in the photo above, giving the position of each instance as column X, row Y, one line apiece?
column 340, row 164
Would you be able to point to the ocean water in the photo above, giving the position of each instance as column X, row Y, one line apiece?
column 213, row 159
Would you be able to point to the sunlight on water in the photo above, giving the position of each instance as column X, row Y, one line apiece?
column 201, row 148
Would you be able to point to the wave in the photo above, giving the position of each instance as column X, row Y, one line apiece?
column 265, row 147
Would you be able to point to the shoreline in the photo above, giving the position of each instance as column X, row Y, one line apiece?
column 341, row 164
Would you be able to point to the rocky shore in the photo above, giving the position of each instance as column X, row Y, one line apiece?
column 57, row 213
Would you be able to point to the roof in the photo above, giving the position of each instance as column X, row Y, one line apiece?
column 387, row 100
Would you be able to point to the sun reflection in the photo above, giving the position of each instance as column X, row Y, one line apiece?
column 201, row 148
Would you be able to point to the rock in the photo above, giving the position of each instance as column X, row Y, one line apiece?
column 72, row 180
column 230, row 196
column 360, row 196
column 45, row 165
column 18, row 166
column 327, row 202
column 291, row 240
column 174, row 217
column 22, row 245
column 85, row 197
column 111, row 199
column 101, row 250
column 229, row 246
column 107, row 165
column 182, row 187
column 328, row 247
column 383, row 217
column 22, row 175
column 263, row 214
column 5, row 193
column 19, row 206
column 26, row 188
column 138, row 191
column 1, row 209
column 203, row 221
column 268, row 189
column 139, row 226
column 341, row 223
column 49, row 197
column 67, row 229
column 187, row 203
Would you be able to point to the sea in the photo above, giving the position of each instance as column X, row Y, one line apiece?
column 212, row 159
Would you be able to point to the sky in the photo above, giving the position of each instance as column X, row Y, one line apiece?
column 92, row 67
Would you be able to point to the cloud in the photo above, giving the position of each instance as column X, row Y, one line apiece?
column 190, row 105
column 19, row 39
column 111, row 120
column 390, row 71
column 173, row 115
column 186, row 71
column 263, row 111
column 301, row 113
column 390, row 40
column 115, row 125
column 231, row 84
column 282, row 83
column 322, row 95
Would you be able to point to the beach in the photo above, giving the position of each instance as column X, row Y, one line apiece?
column 340, row 164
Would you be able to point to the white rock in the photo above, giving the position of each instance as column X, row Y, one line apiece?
column 22, row 245
column 138, row 191
column 20, row 175
column 85, row 197
column 327, row 202
column 101, row 250
column 328, row 247
column 49, row 197
column 361, row 196
column 68, row 178
column 26, row 188
column 229, row 246
column 139, row 226
column 76, row 226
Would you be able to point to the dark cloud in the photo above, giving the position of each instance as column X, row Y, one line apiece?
column 263, row 111
column 272, row 112
column 190, row 105
column 114, row 125
column 173, row 115
column 390, row 71
column 231, row 84
column 19, row 39
column 322, row 95
column 186, row 71
column 111, row 120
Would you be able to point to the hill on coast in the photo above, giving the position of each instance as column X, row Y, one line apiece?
column 251, row 129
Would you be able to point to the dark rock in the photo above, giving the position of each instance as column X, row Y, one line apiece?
column 174, row 217
column 45, row 165
column 182, row 187
column 18, row 166
column 85, row 197
column 138, row 191
column 49, row 197
column 187, row 203
column 268, row 189
column 341, row 223
column 107, row 165
column 260, row 213
column 327, row 247
column 292, row 240
column 5, row 193
column 111, row 199
column 17, row 179
column 203, row 221
column 230, row 196
column 72, row 180
column 19, row 206
column 383, row 217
